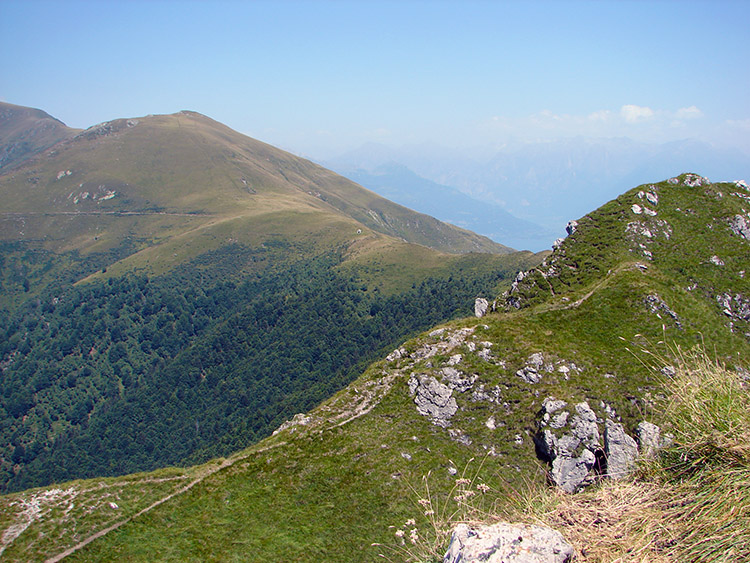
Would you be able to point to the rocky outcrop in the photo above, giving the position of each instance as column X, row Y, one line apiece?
column 507, row 543
column 571, row 441
column 481, row 306
column 433, row 399
column 657, row 306
column 573, row 451
column 740, row 225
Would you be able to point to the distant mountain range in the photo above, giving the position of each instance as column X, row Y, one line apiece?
column 397, row 183
column 545, row 183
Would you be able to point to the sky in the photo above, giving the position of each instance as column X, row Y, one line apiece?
column 322, row 77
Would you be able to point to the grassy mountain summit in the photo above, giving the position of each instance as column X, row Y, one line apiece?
column 448, row 419
column 25, row 132
column 185, row 175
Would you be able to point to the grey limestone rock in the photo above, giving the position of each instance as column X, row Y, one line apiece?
column 507, row 543
column 571, row 473
column 621, row 450
column 649, row 437
column 572, row 453
column 481, row 306
column 433, row 399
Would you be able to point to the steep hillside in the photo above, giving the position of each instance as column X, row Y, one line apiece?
column 25, row 132
column 171, row 291
column 449, row 418
column 158, row 177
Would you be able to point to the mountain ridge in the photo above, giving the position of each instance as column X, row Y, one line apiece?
column 459, row 402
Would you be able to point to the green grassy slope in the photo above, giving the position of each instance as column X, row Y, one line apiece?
column 363, row 464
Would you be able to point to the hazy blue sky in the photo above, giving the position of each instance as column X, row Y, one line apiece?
column 320, row 77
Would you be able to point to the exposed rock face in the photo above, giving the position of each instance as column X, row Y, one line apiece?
column 481, row 306
column 433, row 399
column 571, row 442
column 507, row 543
column 299, row 419
column 572, row 453
column 620, row 449
column 740, row 225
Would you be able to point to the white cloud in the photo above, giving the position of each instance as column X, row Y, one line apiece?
column 601, row 115
column 632, row 113
column 689, row 113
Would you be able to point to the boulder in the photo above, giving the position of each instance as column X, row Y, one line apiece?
column 572, row 453
column 649, row 437
column 572, row 473
column 433, row 399
column 507, row 543
column 620, row 449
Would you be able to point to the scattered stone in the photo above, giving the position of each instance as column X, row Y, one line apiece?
column 507, row 543
column 620, row 449
column 657, row 304
column 741, row 184
column 459, row 436
column 716, row 260
column 652, row 198
column 406, row 456
column 637, row 209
